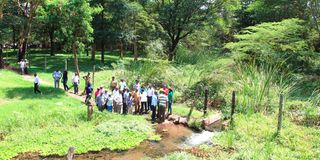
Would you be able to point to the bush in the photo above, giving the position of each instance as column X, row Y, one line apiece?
column 155, row 49
column 275, row 42
column 259, row 87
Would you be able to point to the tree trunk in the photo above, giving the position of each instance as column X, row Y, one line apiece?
column 135, row 50
column 74, row 50
column 93, row 51
column 172, row 50
column 14, row 38
column 102, row 51
column 20, row 42
column 1, row 57
column 121, row 50
column 51, row 33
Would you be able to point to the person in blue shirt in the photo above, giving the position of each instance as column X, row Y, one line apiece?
column 89, row 90
column 154, row 104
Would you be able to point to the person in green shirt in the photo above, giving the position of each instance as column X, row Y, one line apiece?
column 170, row 100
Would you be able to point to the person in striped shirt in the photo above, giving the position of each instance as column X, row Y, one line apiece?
column 163, row 103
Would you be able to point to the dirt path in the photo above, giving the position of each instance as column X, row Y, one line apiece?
column 70, row 94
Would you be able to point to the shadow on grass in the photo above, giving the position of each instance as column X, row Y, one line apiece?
column 27, row 93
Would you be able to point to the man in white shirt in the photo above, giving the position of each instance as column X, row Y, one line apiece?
column 22, row 66
column 76, row 81
column 136, row 86
column 56, row 77
column 36, row 84
column 150, row 94
column 123, row 85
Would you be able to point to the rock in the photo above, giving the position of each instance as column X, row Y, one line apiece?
column 172, row 117
column 212, row 123
column 183, row 121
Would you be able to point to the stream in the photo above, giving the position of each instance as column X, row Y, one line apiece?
column 173, row 138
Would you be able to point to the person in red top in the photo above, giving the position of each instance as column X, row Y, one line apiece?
column 165, row 89
column 96, row 94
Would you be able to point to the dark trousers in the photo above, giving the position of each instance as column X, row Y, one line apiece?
column 162, row 112
column 149, row 103
column 75, row 87
column 65, row 85
column 125, row 108
column 36, row 88
column 143, row 105
column 170, row 107
column 153, row 115
column 88, row 98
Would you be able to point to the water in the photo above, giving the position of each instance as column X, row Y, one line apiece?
column 197, row 139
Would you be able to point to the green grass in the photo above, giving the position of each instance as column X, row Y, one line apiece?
column 253, row 137
column 52, row 122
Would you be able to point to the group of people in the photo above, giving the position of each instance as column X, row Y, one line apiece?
column 119, row 98
column 140, row 100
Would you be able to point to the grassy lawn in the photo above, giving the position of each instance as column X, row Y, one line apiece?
column 254, row 138
column 52, row 122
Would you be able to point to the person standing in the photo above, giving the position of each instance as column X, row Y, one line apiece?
column 123, row 85
column 113, row 83
column 165, row 90
column 154, row 104
column 136, row 101
column 96, row 94
column 126, row 98
column 150, row 93
column 56, row 77
column 26, row 66
column 36, row 84
column 100, row 102
column 87, row 80
column 109, row 103
column 170, row 100
column 144, row 100
column 129, row 103
column 136, row 85
column 163, row 103
column 118, row 102
column 22, row 66
column 89, row 90
column 76, row 81
column 65, row 80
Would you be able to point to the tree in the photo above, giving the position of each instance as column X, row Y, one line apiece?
column 50, row 14
column 277, row 10
column 26, row 9
column 2, row 27
column 277, row 43
column 78, row 14
column 180, row 18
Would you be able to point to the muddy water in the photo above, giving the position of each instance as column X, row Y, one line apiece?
column 172, row 136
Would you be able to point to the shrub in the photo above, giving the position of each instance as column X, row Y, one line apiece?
column 275, row 42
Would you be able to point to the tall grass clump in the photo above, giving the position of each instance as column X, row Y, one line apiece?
column 259, row 86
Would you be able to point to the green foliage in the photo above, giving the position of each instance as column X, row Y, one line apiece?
column 155, row 49
column 275, row 10
column 118, row 127
column 253, row 138
column 259, row 87
column 276, row 43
